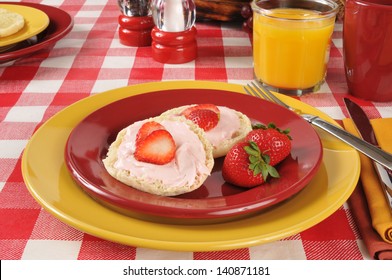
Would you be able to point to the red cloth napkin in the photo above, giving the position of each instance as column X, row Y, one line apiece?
column 377, row 247
column 367, row 202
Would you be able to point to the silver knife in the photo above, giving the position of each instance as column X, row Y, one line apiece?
column 366, row 131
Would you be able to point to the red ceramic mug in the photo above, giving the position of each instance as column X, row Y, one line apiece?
column 367, row 48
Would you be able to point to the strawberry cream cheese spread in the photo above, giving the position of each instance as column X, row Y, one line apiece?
column 223, row 126
column 228, row 125
column 188, row 164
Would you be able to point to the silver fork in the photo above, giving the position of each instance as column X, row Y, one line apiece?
column 373, row 152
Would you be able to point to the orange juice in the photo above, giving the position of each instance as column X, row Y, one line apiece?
column 291, row 47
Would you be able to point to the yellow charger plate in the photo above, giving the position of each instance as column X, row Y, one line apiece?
column 50, row 183
column 35, row 22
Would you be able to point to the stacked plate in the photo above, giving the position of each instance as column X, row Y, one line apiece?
column 43, row 26
column 63, row 170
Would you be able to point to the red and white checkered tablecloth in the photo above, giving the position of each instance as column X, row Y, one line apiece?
column 90, row 59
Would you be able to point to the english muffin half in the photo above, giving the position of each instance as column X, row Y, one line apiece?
column 231, row 127
column 191, row 165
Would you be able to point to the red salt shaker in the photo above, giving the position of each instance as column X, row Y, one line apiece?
column 135, row 31
column 174, row 36
column 135, row 23
column 174, row 47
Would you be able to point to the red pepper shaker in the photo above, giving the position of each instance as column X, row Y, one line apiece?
column 174, row 34
column 135, row 23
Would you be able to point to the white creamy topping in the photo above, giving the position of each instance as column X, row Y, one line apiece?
column 189, row 162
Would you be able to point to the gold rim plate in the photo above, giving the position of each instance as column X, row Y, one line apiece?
column 48, row 180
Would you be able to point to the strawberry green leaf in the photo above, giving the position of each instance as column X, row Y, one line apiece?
column 285, row 132
column 252, row 166
column 264, row 172
column 258, row 169
column 266, row 158
column 272, row 171
column 271, row 125
column 259, row 163
column 252, row 152
column 259, row 126
column 254, row 159
column 254, row 146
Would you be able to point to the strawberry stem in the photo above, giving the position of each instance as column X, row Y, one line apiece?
column 259, row 163
column 272, row 126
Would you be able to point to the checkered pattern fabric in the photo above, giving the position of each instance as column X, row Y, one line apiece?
column 90, row 59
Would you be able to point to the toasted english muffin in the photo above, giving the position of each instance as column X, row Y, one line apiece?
column 232, row 127
column 191, row 166
column 10, row 22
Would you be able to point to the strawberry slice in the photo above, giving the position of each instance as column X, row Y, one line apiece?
column 206, row 106
column 205, row 119
column 206, row 116
column 157, row 148
column 146, row 129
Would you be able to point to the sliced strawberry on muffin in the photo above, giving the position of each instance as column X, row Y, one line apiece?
column 223, row 126
column 146, row 130
column 157, row 148
column 206, row 119
column 164, row 156
column 206, row 116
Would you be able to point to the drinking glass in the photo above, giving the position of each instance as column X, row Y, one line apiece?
column 291, row 43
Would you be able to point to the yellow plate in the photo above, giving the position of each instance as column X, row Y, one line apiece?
column 49, row 182
column 35, row 22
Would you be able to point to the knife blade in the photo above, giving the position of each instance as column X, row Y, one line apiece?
column 365, row 129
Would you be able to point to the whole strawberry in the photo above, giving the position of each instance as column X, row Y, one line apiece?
column 272, row 141
column 245, row 166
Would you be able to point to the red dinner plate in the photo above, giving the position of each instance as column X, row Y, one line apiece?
column 60, row 24
column 216, row 200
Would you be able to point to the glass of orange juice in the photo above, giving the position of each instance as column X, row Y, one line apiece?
column 291, row 42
